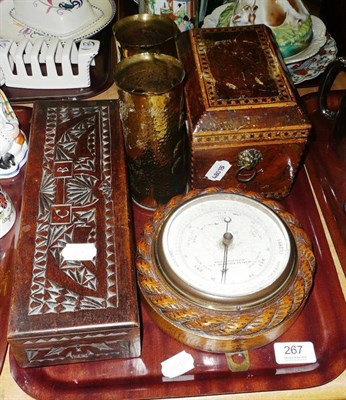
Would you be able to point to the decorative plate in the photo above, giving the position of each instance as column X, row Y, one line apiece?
column 318, row 40
column 313, row 66
column 14, row 30
column 221, row 16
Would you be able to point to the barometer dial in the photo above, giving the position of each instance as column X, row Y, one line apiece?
column 226, row 248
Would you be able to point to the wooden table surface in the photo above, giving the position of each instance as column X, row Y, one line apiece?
column 334, row 390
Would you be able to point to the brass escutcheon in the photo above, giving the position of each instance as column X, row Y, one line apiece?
column 238, row 362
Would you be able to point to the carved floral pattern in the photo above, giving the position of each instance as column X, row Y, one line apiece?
column 76, row 177
column 58, row 349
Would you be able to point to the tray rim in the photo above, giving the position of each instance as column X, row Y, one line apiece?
column 21, row 376
column 47, row 373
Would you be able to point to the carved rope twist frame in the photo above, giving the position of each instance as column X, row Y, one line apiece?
column 242, row 329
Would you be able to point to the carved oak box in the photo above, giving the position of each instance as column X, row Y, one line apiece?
column 246, row 125
column 74, row 296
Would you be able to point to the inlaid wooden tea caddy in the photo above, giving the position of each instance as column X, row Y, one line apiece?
column 247, row 127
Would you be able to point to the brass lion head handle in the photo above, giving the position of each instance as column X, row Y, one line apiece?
column 247, row 162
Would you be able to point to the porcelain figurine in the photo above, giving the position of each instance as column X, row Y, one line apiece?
column 7, row 213
column 13, row 143
column 289, row 20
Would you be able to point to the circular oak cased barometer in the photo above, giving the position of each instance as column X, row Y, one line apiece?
column 224, row 270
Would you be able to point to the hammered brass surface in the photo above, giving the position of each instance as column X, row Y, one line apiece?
column 150, row 88
column 142, row 33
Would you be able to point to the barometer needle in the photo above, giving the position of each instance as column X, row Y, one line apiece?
column 226, row 240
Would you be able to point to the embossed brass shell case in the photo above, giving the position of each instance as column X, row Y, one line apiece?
column 151, row 106
column 211, row 324
column 69, row 308
column 241, row 108
column 141, row 33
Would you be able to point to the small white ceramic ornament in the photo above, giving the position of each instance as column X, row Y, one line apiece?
column 13, row 143
column 7, row 213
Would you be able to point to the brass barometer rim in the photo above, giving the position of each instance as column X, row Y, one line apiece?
column 217, row 301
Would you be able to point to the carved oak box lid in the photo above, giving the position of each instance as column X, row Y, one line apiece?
column 74, row 296
column 246, row 125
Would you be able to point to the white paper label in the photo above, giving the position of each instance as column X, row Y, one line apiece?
column 79, row 251
column 218, row 170
column 177, row 365
column 294, row 352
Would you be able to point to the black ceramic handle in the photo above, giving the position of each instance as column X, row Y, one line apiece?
column 327, row 80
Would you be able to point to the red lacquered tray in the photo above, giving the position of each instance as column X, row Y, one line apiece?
column 327, row 171
column 13, row 187
column 321, row 322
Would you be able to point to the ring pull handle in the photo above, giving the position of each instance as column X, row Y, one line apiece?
column 327, row 80
column 247, row 162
